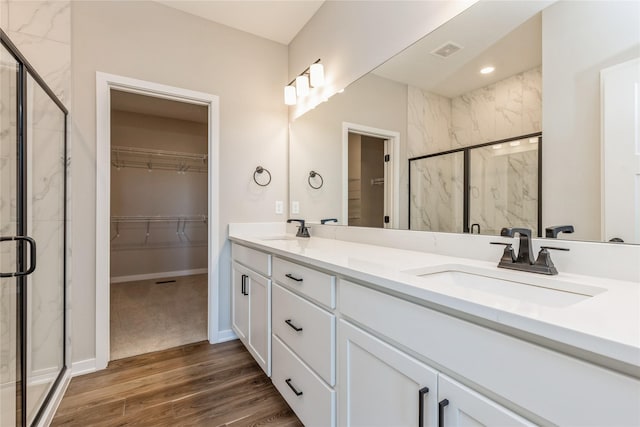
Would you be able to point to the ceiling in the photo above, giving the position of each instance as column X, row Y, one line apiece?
column 512, row 44
column 159, row 107
column 279, row 21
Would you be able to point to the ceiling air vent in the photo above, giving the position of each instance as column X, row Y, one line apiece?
column 446, row 50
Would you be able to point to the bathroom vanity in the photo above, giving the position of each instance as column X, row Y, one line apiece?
column 362, row 334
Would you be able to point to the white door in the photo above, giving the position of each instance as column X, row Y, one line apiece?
column 460, row 406
column 260, row 320
column 621, row 151
column 382, row 386
column 240, row 301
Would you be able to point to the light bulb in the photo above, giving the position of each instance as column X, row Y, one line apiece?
column 487, row 70
column 290, row 95
column 316, row 73
column 302, row 85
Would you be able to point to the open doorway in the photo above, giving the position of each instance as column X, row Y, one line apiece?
column 106, row 230
column 366, row 181
column 158, row 243
column 370, row 183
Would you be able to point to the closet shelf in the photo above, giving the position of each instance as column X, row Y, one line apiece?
column 159, row 218
column 151, row 159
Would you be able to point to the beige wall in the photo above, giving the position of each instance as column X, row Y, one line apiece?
column 170, row 246
column 316, row 142
column 148, row 41
column 601, row 34
column 354, row 37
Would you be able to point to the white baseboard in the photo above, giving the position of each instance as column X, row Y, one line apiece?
column 43, row 376
column 161, row 275
column 226, row 335
column 82, row 367
column 52, row 407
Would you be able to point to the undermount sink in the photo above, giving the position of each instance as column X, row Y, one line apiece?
column 546, row 291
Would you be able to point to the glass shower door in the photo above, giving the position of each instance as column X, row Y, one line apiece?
column 9, row 309
column 45, row 133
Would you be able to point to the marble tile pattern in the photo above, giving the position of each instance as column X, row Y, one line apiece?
column 504, row 188
column 437, row 193
column 8, row 194
column 41, row 30
column 505, row 109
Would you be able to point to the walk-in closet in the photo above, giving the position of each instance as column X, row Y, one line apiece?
column 159, row 165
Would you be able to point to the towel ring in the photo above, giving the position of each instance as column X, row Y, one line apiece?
column 259, row 170
column 313, row 174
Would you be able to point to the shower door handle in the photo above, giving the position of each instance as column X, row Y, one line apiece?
column 32, row 253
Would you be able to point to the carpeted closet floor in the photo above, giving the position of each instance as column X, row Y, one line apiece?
column 147, row 316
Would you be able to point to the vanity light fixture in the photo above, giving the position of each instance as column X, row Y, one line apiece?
column 487, row 70
column 312, row 76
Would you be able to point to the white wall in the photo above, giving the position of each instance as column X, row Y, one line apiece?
column 571, row 103
column 354, row 37
column 148, row 41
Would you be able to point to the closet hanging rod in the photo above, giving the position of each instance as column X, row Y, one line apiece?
column 157, row 166
column 159, row 218
column 158, row 153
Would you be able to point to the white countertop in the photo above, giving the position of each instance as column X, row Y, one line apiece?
column 601, row 316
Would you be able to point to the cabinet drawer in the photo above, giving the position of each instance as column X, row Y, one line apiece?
column 501, row 363
column 318, row 286
column 309, row 397
column 259, row 262
column 307, row 329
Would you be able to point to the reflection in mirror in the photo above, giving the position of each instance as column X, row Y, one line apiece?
column 549, row 61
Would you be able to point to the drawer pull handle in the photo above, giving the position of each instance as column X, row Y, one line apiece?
column 288, row 381
column 443, row 403
column 295, row 328
column 421, row 393
column 244, row 285
column 292, row 277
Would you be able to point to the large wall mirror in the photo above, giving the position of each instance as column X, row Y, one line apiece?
column 432, row 140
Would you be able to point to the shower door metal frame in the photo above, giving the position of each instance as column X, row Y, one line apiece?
column 466, row 205
column 25, row 69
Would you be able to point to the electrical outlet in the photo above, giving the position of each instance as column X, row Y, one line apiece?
column 295, row 207
column 279, row 207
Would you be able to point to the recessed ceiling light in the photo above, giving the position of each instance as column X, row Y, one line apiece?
column 487, row 70
column 533, row 140
column 497, row 146
column 514, row 143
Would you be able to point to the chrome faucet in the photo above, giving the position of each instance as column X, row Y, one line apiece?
column 525, row 261
column 303, row 231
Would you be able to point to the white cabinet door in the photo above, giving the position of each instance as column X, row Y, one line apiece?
column 460, row 406
column 382, row 386
column 240, row 301
column 259, row 290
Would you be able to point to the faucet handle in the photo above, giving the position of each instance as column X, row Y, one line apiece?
column 554, row 248
column 508, row 256
column 544, row 259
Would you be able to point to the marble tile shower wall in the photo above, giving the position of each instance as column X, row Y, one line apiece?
column 41, row 30
column 508, row 108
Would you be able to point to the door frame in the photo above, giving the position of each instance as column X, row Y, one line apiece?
column 392, row 188
column 104, row 83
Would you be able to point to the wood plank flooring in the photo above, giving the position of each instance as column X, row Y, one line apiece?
column 194, row 385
